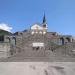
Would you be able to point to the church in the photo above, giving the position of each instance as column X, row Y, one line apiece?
column 36, row 42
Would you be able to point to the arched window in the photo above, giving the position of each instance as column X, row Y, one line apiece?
column 8, row 39
column 62, row 40
column 13, row 41
column 68, row 39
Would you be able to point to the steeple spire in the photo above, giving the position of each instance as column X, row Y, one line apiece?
column 44, row 19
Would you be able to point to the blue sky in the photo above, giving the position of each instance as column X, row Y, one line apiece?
column 21, row 14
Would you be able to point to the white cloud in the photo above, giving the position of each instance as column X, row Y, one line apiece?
column 5, row 27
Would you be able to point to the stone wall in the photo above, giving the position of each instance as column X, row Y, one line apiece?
column 4, row 50
column 24, row 41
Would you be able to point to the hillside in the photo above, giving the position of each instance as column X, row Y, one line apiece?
column 3, row 32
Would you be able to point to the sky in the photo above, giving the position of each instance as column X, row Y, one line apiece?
column 19, row 15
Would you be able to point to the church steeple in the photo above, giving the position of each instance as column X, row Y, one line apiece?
column 44, row 19
column 44, row 24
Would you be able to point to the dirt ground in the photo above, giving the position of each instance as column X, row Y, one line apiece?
column 37, row 68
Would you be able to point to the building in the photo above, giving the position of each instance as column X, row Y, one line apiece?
column 35, row 42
